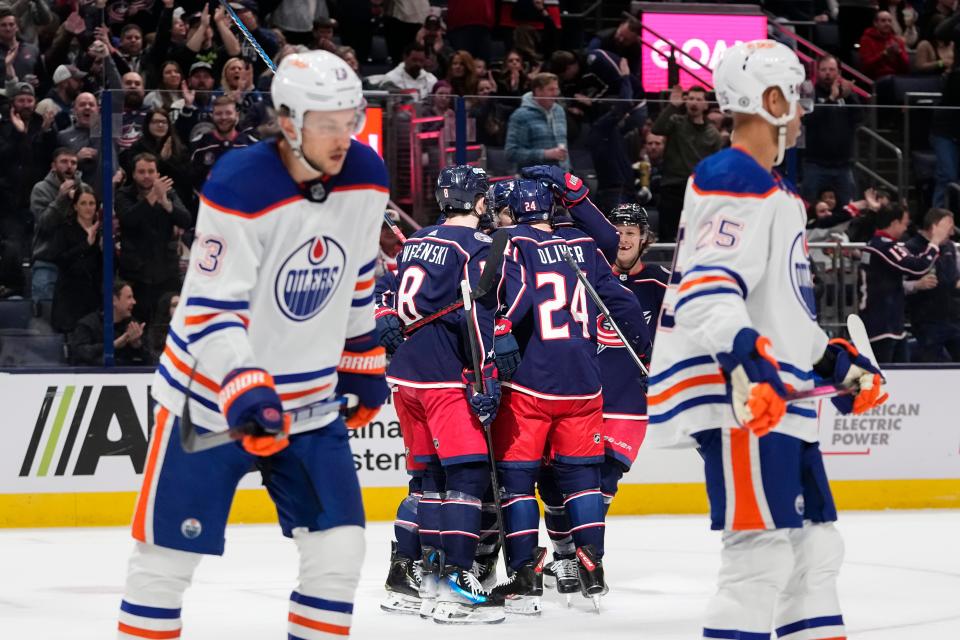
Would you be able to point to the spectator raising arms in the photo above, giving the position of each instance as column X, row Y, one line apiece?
column 884, row 263
column 933, row 305
column 148, row 210
column 537, row 131
column 690, row 139
column 78, row 255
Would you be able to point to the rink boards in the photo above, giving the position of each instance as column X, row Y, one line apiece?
column 75, row 445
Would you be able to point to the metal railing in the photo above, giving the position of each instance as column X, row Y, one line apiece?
column 673, row 66
column 876, row 139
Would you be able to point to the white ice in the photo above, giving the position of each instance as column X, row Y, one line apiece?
column 901, row 580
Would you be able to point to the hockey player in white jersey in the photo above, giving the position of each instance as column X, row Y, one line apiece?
column 737, row 330
column 277, row 312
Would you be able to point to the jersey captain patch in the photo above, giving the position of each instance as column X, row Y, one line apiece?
column 800, row 276
column 308, row 278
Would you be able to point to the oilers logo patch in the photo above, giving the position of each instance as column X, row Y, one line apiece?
column 191, row 528
column 309, row 277
column 801, row 280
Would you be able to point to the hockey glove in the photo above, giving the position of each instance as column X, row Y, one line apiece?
column 842, row 364
column 572, row 189
column 755, row 387
column 484, row 403
column 507, row 350
column 249, row 402
column 362, row 372
column 390, row 329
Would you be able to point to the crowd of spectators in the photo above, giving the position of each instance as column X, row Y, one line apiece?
column 187, row 87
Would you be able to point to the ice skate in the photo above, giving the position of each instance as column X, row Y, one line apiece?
column 523, row 591
column 485, row 568
column 430, row 567
column 461, row 599
column 592, row 584
column 563, row 575
column 403, row 584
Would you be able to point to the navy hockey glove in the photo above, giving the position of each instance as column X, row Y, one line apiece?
column 249, row 402
column 842, row 364
column 362, row 372
column 390, row 329
column 572, row 189
column 486, row 402
column 754, row 378
column 507, row 350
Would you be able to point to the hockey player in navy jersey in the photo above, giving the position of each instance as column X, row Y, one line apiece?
column 276, row 313
column 552, row 405
column 738, row 327
column 435, row 397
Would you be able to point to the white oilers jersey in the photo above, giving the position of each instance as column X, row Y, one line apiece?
column 741, row 261
column 280, row 276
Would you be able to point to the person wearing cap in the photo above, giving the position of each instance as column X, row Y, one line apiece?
column 67, row 84
column 402, row 22
column 197, row 103
column 20, row 57
column 248, row 11
column 27, row 141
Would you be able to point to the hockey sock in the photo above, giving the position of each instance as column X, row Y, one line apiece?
column 489, row 527
column 156, row 580
column 405, row 527
column 521, row 515
column 321, row 607
column 580, row 485
column 557, row 520
column 460, row 515
column 611, row 471
column 428, row 510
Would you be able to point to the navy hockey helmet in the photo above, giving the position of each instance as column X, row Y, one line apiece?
column 532, row 201
column 459, row 186
column 629, row 214
column 498, row 194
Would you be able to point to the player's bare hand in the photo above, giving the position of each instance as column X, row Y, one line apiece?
column 11, row 54
column 17, row 121
column 676, row 96
column 929, row 281
column 87, row 153
column 557, row 154
column 189, row 95
column 66, row 187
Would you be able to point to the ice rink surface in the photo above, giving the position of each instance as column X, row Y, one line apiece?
column 901, row 581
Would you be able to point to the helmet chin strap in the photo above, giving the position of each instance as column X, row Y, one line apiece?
column 781, row 144
column 781, row 125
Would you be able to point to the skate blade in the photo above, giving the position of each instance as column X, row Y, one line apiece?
column 526, row 606
column 596, row 603
column 401, row 604
column 427, row 607
column 549, row 582
column 455, row 613
column 569, row 600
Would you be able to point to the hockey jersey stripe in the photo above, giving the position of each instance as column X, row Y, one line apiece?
column 705, row 292
column 322, row 603
column 362, row 302
column 710, row 268
column 367, row 267
column 680, row 366
column 294, row 395
column 225, row 305
column 689, row 284
column 156, row 440
column 656, row 418
column 252, row 214
column 795, row 371
column 149, row 612
column 207, row 317
column 809, row 623
column 209, row 404
column 361, row 187
column 317, row 625
column 183, row 368
column 696, row 381
column 363, row 285
column 147, row 633
column 800, row 411
column 213, row 328
column 290, row 378
column 731, row 194
column 734, row 634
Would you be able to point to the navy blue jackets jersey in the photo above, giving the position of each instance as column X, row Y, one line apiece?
column 553, row 318
column 430, row 267
column 884, row 263
column 622, row 381
column 385, row 290
column 592, row 222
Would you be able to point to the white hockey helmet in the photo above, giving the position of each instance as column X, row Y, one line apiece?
column 748, row 69
column 316, row 81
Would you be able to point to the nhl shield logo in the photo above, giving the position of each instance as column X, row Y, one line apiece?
column 309, row 277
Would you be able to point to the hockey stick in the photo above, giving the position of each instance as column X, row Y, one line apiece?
column 861, row 341
column 484, row 283
column 582, row 277
column 249, row 36
column 193, row 442
column 477, row 356
column 394, row 227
